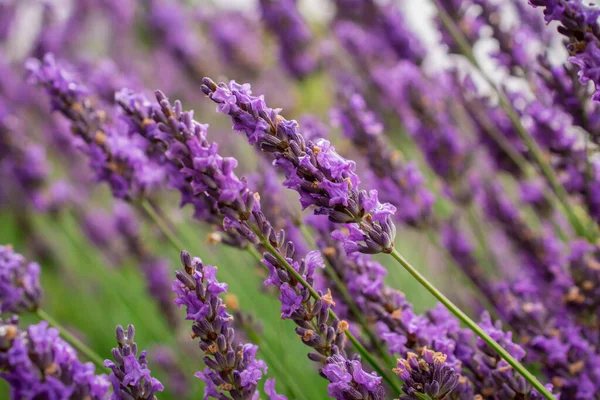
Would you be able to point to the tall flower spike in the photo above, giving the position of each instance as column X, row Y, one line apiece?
column 123, row 161
column 38, row 364
column 19, row 283
column 230, row 368
column 579, row 24
column 213, row 176
column 321, row 176
column 130, row 377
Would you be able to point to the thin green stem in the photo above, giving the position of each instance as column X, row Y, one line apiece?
column 394, row 383
column 535, row 151
column 72, row 340
column 464, row 318
column 162, row 225
column 339, row 285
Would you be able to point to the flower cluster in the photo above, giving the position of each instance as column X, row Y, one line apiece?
column 427, row 376
column 19, row 282
column 130, row 377
column 117, row 158
column 38, row 364
column 314, row 169
column 579, row 24
column 230, row 368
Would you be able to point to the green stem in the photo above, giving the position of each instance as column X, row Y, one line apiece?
column 394, row 383
column 162, row 225
column 464, row 318
column 72, row 340
column 536, row 152
column 339, row 285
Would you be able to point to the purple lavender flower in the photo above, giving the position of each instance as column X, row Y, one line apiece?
column 560, row 83
column 130, row 377
column 37, row 364
column 19, row 282
column 284, row 20
column 427, row 376
column 579, row 24
column 321, row 176
column 213, row 176
column 229, row 369
column 117, row 158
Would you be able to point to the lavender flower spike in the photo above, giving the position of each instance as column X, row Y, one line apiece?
column 19, row 283
column 321, row 176
column 579, row 24
column 37, row 364
column 230, row 368
column 426, row 377
column 130, row 375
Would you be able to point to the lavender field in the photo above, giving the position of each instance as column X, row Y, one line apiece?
column 303, row 200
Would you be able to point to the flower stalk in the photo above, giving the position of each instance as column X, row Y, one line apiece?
column 464, row 318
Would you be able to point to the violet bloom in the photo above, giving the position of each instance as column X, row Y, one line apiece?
column 578, row 22
column 38, row 364
column 314, row 169
column 123, row 161
column 214, row 177
column 229, row 369
column 427, row 376
column 19, row 283
column 139, row 114
column 130, row 377
column 561, row 85
column 284, row 20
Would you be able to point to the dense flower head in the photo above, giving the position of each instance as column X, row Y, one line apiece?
column 231, row 368
column 427, row 375
column 314, row 169
column 37, row 363
column 130, row 377
column 19, row 282
column 579, row 24
column 350, row 381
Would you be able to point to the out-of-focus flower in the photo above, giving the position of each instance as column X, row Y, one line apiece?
column 19, row 282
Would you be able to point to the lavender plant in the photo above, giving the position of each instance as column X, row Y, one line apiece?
column 481, row 142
